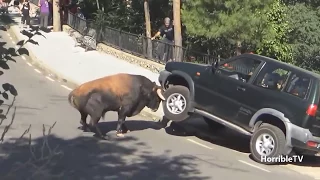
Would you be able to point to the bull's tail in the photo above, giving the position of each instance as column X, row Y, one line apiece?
column 71, row 99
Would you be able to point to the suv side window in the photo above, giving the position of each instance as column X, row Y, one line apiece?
column 240, row 69
column 298, row 85
column 272, row 77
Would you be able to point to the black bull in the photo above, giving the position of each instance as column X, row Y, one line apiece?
column 124, row 93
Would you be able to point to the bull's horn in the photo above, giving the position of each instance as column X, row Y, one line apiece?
column 160, row 94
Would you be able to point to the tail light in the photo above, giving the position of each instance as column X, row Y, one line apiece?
column 312, row 110
column 312, row 144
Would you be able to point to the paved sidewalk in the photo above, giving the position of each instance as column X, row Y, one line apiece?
column 57, row 53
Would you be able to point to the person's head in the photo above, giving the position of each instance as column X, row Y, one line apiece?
column 26, row 1
column 166, row 21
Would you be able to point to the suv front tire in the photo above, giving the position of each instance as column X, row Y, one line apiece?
column 268, row 141
column 177, row 104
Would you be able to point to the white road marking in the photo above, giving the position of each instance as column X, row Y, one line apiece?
column 195, row 142
column 24, row 58
column 36, row 70
column 9, row 34
column 244, row 162
column 13, row 42
column 17, row 47
column 66, row 87
column 10, row 37
column 29, row 64
column 49, row 78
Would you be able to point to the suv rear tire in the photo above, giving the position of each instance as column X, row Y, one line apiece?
column 275, row 137
column 177, row 96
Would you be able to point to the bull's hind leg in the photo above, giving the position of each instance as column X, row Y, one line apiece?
column 94, row 123
column 94, row 107
column 83, row 122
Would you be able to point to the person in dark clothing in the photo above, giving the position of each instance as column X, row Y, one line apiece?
column 167, row 32
column 25, row 12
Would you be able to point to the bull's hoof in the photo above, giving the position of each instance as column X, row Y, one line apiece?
column 120, row 135
column 103, row 138
column 85, row 128
column 125, row 131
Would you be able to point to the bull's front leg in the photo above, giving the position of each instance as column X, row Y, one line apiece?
column 121, row 127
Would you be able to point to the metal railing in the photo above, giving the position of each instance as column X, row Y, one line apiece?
column 160, row 51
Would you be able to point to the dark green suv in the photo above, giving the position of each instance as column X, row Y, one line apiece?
column 275, row 102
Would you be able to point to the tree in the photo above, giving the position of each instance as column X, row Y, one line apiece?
column 304, row 22
column 274, row 38
column 177, row 30
column 233, row 20
column 148, row 27
column 56, row 16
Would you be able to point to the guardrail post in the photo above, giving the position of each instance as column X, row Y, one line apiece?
column 120, row 39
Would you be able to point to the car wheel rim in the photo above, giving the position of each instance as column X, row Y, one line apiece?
column 176, row 103
column 265, row 144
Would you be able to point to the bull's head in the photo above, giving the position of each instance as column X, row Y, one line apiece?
column 155, row 97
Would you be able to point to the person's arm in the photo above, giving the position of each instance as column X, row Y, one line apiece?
column 30, row 9
column 20, row 8
column 39, row 4
column 158, row 33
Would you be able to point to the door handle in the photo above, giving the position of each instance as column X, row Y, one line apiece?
column 241, row 88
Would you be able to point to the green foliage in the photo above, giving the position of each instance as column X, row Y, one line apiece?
column 305, row 35
column 128, row 18
column 287, row 30
column 274, row 40
column 232, row 19
column 100, row 20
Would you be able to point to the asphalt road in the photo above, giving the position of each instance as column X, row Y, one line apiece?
column 148, row 152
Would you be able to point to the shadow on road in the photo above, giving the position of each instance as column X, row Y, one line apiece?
column 196, row 126
column 133, row 125
column 88, row 158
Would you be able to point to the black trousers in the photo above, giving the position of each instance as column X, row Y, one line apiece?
column 167, row 50
column 25, row 19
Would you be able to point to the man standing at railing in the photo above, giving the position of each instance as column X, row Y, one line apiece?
column 79, row 13
column 167, row 32
column 44, row 13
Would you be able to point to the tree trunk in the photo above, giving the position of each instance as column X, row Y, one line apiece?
column 56, row 16
column 177, row 31
column 148, row 28
column 238, row 50
column 98, row 4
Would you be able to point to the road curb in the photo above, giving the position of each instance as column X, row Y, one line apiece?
column 33, row 59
